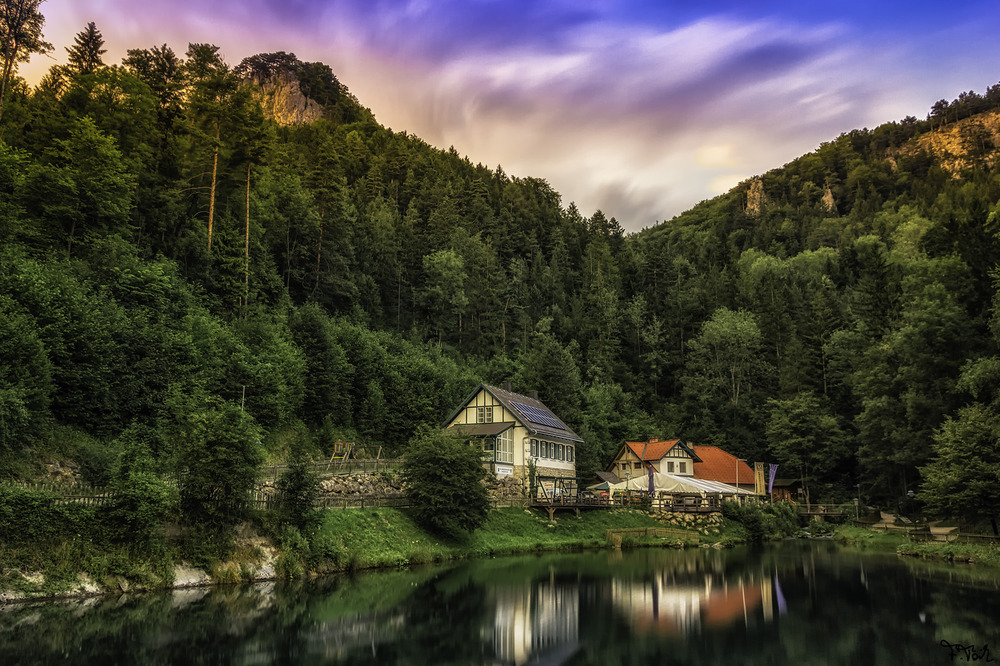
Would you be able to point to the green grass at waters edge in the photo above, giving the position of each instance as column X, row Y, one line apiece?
column 340, row 540
column 859, row 537
column 358, row 539
column 371, row 538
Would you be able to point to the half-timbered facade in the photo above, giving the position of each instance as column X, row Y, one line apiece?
column 666, row 456
column 516, row 429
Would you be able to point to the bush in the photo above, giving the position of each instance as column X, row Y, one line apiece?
column 444, row 478
column 220, row 458
column 142, row 500
column 762, row 521
column 299, row 488
column 33, row 516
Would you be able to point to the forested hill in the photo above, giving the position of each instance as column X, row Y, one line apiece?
column 191, row 248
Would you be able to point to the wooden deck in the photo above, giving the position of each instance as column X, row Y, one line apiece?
column 824, row 510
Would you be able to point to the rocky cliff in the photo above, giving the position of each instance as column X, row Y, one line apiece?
column 282, row 99
column 969, row 143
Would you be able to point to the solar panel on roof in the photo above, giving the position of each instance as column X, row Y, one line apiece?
column 539, row 416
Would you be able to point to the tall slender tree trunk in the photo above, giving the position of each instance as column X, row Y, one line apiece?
column 319, row 252
column 399, row 294
column 8, row 71
column 246, row 248
column 211, row 195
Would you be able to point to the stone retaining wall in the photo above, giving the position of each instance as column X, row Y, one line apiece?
column 703, row 522
column 389, row 485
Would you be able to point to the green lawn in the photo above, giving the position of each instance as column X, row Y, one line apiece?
column 366, row 538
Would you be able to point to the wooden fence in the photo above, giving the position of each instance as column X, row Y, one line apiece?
column 77, row 493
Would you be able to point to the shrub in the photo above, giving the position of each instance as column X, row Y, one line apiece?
column 762, row 521
column 299, row 489
column 444, row 476
column 33, row 516
column 142, row 500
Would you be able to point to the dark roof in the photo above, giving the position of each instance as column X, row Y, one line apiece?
column 610, row 477
column 483, row 429
column 530, row 412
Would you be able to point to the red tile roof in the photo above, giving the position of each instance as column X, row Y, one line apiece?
column 717, row 465
column 655, row 449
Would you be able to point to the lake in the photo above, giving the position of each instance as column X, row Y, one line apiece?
column 792, row 603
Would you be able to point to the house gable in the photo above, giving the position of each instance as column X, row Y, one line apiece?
column 516, row 430
column 665, row 456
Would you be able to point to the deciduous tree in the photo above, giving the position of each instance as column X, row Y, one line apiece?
column 444, row 479
column 20, row 37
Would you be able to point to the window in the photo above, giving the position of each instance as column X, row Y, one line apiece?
column 505, row 447
column 683, row 467
column 534, row 448
column 637, row 465
column 670, row 467
column 570, row 449
column 484, row 415
column 559, row 451
column 548, row 450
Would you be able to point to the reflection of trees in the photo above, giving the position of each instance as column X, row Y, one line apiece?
column 840, row 608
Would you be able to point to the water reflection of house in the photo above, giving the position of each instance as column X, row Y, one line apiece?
column 662, row 606
column 532, row 623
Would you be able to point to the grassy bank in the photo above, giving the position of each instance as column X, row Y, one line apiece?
column 982, row 554
column 351, row 540
column 859, row 537
column 370, row 538
column 338, row 540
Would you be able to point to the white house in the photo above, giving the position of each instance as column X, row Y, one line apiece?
column 516, row 429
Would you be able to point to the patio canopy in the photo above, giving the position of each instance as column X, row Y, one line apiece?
column 671, row 483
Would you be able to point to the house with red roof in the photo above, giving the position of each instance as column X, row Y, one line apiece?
column 714, row 464
column 677, row 457
column 665, row 456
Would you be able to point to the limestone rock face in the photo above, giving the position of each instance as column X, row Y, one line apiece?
column 282, row 100
column 755, row 197
column 961, row 145
column 828, row 201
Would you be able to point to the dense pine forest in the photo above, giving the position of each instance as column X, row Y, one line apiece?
column 188, row 279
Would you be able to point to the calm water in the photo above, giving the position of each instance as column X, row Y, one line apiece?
column 799, row 603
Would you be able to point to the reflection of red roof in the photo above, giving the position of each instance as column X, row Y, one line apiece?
column 655, row 449
column 717, row 465
column 721, row 609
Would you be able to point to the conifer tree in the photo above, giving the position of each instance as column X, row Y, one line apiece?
column 85, row 54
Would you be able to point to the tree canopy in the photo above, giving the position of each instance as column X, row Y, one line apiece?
column 160, row 233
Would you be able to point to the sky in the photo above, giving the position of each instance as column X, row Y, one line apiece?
column 639, row 109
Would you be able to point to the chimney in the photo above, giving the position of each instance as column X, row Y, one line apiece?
column 533, row 395
column 654, row 440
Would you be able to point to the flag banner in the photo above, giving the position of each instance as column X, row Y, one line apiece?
column 758, row 478
column 770, row 481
